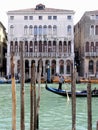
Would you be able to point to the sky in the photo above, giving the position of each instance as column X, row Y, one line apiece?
column 79, row 6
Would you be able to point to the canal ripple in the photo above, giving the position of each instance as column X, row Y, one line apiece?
column 55, row 111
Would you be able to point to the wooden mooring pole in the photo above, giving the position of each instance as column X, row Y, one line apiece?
column 33, row 98
column 89, row 104
column 96, row 125
column 22, row 109
column 13, row 94
column 39, row 92
column 73, row 89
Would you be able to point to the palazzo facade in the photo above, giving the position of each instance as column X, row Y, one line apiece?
column 46, row 33
column 86, row 44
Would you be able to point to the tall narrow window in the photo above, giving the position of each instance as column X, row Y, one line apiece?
column 65, row 47
column 11, row 29
column 61, row 63
column 54, row 30
column 35, row 30
column 68, row 68
column 54, row 46
column 45, row 30
column 25, row 29
column 87, row 47
column 40, row 30
column 92, row 30
column 69, row 46
column 96, row 30
column 16, row 46
column 60, row 46
column 30, row 30
column 45, row 46
column 11, row 46
column 69, row 29
column 96, row 47
column 49, row 30
column 35, row 46
column 26, row 46
column 40, row 46
column 91, row 67
column 31, row 46
column 92, row 47
column 49, row 46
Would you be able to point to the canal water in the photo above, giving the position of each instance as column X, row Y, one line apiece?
column 55, row 110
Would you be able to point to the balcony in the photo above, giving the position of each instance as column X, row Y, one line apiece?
column 91, row 54
column 44, row 55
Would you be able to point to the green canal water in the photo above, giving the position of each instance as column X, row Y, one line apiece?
column 55, row 110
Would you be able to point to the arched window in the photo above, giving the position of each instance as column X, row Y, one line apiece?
column 40, row 30
column 16, row 46
column 40, row 46
column 68, row 68
column 96, row 46
column 54, row 46
column 54, row 30
column 92, row 47
column 91, row 67
column 30, row 29
column 49, row 46
column 60, row 46
column 11, row 30
column 87, row 47
column 96, row 30
column 69, row 29
column 45, row 30
column 35, row 46
column 35, row 31
column 92, row 30
column 45, row 46
column 61, row 63
column 69, row 46
column 49, row 30
column 26, row 46
column 65, row 47
column 31, row 46
column 11, row 46
column 25, row 30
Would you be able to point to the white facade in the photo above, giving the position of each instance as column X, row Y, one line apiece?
column 46, row 33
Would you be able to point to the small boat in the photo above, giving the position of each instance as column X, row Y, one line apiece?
column 3, row 80
column 82, row 93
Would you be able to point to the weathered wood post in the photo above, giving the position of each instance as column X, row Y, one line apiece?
column 13, row 94
column 34, row 91
column 39, row 92
column 22, row 109
column 73, row 89
column 89, row 104
column 32, row 99
column 96, row 125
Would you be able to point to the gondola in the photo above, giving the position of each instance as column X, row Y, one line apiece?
column 82, row 93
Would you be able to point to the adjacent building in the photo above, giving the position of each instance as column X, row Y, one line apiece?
column 86, row 44
column 46, row 33
column 3, row 49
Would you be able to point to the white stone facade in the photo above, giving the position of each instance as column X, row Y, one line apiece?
column 46, row 33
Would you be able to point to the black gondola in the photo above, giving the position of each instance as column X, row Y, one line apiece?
column 82, row 93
